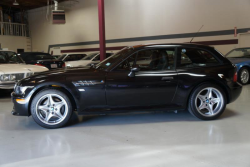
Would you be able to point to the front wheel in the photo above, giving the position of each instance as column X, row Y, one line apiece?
column 207, row 102
column 244, row 76
column 51, row 108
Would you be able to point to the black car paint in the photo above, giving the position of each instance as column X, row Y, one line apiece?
column 107, row 91
column 46, row 63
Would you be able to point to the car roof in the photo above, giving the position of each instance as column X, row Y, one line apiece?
column 172, row 44
column 6, row 51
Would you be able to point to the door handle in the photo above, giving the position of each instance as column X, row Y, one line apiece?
column 167, row 78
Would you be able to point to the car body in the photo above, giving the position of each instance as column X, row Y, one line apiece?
column 72, row 59
column 13, row 69
column 241, row 58
column 89, row 60
column 42, row 59
column 122, row 84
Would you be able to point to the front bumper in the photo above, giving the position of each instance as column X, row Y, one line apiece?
column 21, row 105
column 8, row 85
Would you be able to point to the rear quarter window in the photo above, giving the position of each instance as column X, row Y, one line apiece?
column 192, row 57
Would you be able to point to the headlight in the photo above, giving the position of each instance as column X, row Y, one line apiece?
column 5, row 77
column 20, row 90
column 29, row 74
column 12, row 77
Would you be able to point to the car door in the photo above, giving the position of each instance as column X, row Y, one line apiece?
column 154, row 84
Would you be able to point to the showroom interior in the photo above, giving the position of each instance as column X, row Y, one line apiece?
column 73, row 91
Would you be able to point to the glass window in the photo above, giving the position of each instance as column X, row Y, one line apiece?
column 10, row 57
column 97, row 58
column 151, row 60
column 62, row 57
column 196, row 58
column 239, row 53
column 114, row 58
column 90, row 56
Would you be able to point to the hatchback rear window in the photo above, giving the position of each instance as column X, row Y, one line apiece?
column 196, row 58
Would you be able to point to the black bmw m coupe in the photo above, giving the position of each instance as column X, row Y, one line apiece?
column 142, row 78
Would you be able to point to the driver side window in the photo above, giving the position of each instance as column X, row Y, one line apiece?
column 150, row 60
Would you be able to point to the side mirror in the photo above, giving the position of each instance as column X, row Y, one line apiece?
column 133, row 71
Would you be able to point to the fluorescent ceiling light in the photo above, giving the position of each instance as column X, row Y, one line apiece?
column 15, row 3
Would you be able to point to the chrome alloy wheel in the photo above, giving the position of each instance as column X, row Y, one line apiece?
column 209, row 102
column 244, row 76
column 51, row 109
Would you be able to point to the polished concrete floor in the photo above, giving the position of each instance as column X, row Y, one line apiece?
column 143, row 140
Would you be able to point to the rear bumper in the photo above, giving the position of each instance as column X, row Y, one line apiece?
column 20, row 108
column 235, row 91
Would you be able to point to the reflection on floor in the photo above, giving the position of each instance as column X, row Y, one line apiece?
column 156, row 139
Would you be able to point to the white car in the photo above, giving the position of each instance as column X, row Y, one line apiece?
column 13, row 69
column 71, row 59
column 90, row 59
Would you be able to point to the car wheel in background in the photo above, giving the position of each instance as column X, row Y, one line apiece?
column 207, row 102
column 244, row 76
column 51, row 108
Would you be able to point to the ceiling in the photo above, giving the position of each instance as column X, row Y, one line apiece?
column 26, row 4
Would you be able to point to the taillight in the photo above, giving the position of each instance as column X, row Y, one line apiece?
column 63, row 66
column 235, row 77
column 39, row 65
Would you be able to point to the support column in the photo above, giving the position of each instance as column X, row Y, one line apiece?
column 102, row 39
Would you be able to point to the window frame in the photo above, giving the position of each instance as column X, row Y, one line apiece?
column 178, row 66
column 153, row 48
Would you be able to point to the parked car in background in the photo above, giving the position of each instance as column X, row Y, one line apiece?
column 42, row 59
column 71, row 60
column 13, row 69
column 56, row 56
column 89, row 60
column 204, row 83
column 241, row 58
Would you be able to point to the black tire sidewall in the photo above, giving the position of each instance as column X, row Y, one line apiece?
column 50, row 91
column 192, row 108
column 239, row 77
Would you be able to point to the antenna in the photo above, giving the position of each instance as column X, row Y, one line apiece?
column 196, row 34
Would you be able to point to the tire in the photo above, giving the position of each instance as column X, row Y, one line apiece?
column 205, row 105
column 244, row 76
column 51, row 108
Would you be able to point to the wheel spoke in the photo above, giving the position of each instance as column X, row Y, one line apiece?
column 58, row 105
column 202, row 98
column 215, row 100
column 43, row 108
column 48, row 117
column 209, row 93
column 210, row 109
column 51, row 101
column 202, row 106
column 58, row 114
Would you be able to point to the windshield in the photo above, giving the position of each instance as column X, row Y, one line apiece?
column 38, row 56
column 10, row 57
column 114, row 58
column 61, row 57
column 239, row 53
column 90, row 56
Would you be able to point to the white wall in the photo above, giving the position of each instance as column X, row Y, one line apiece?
column 13, row 42
column 139, row 18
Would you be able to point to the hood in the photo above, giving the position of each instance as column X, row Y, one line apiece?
column 20, row 68
column 238, row 60
column 63, row 72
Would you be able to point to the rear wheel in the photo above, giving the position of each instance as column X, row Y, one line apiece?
column 244, row 76
column 51, row 108
column 207, row 102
